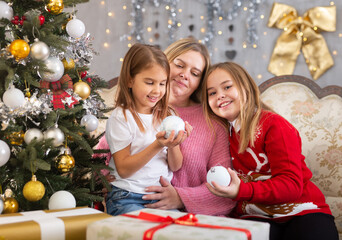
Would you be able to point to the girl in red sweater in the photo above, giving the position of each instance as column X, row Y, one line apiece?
column 271, row 181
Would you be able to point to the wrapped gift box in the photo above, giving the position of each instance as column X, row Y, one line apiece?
column 61, row 224
column 166, row 225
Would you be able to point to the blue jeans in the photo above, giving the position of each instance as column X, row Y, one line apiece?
column 120, row 201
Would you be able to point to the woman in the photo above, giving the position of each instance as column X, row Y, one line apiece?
column 204, row 148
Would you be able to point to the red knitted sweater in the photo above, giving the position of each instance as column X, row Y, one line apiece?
column 275, row 179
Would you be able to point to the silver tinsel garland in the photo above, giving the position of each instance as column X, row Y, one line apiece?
column 214, row 9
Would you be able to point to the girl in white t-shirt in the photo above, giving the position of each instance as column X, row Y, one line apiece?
column 141, row 154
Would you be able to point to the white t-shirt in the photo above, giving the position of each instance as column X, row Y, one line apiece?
column 121, row 133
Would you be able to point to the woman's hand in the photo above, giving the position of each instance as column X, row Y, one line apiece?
column 166, row 194
column 230, row 191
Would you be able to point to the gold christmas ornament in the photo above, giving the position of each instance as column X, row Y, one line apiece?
column 20, row 49
column 11, row 205
column 33, row 190
column 301, row 34
column 68, row 64
column 16, row 138
column 82, row 89
column 55, row 6
column 65, row 162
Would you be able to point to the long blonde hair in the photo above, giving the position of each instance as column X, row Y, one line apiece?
column 250, row 102
column 139, row 58
column 189, row 44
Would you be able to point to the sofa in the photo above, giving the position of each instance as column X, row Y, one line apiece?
column 316, row 113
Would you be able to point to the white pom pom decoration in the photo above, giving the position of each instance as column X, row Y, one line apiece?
column 172, row 123
column 219, row 175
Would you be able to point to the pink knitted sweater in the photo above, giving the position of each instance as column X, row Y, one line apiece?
column 202, row 150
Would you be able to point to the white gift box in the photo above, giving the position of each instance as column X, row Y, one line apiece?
column 132, row 227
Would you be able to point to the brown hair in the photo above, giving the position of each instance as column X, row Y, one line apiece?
column 250, row 102
column 190, row 44
column 139, row 58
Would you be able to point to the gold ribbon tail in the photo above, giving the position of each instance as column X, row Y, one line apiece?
column 285, row 54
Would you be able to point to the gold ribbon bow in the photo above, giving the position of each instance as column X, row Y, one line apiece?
column 301, row 33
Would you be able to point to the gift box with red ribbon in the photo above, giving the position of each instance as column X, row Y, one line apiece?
column 150, row 224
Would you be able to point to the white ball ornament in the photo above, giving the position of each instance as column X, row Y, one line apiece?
column 55, row 66
column 5, row 11
column 172, row 123
column 75, row 28
column 5, row 153
column 219, row 175
column 39, row 50
column 13, row 98
column 56, row 134
column 61, row 199
column 1, row 205
column 33, row 133
column 90, row 122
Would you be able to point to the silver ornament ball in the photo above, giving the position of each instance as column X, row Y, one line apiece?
column 90, row 122
column 55, row 66
column 39, row 50
column 56, row 134
column 5, row 153
column 33, row 133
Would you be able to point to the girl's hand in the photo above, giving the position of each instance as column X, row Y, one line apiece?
column 166, row 194
column 171, row 141
column 230, row 191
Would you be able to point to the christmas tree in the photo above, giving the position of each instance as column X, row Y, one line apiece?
column 49, row 108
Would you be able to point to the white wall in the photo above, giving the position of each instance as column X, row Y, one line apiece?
column 107, row 64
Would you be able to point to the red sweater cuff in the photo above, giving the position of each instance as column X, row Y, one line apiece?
column 245, row 192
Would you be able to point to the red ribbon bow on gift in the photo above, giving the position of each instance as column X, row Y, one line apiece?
column 58, row 89
column 188, row 220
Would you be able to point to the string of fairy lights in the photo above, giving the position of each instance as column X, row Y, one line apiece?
column 213, row 22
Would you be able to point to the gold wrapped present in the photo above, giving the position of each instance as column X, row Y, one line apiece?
column 69, row 224
column 150, row 224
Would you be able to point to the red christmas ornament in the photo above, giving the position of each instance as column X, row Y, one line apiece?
column 88, row 80
column 21, row 22
column 16, row 17
column 41, row 19
column 83, row 74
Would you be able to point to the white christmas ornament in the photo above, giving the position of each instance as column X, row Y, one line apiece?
column 5, row 153
column 33, row 133
column 75, row 28
column 219, row 175
column 172, row 123
column 90, row 122
column 62, row 199
column 56, row 134
column 39, row 50
column 13, row 98
column 1, row 205
column 55, row 66
column 5, row 11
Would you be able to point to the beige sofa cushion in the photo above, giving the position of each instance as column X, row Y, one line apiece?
column 319, row 122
